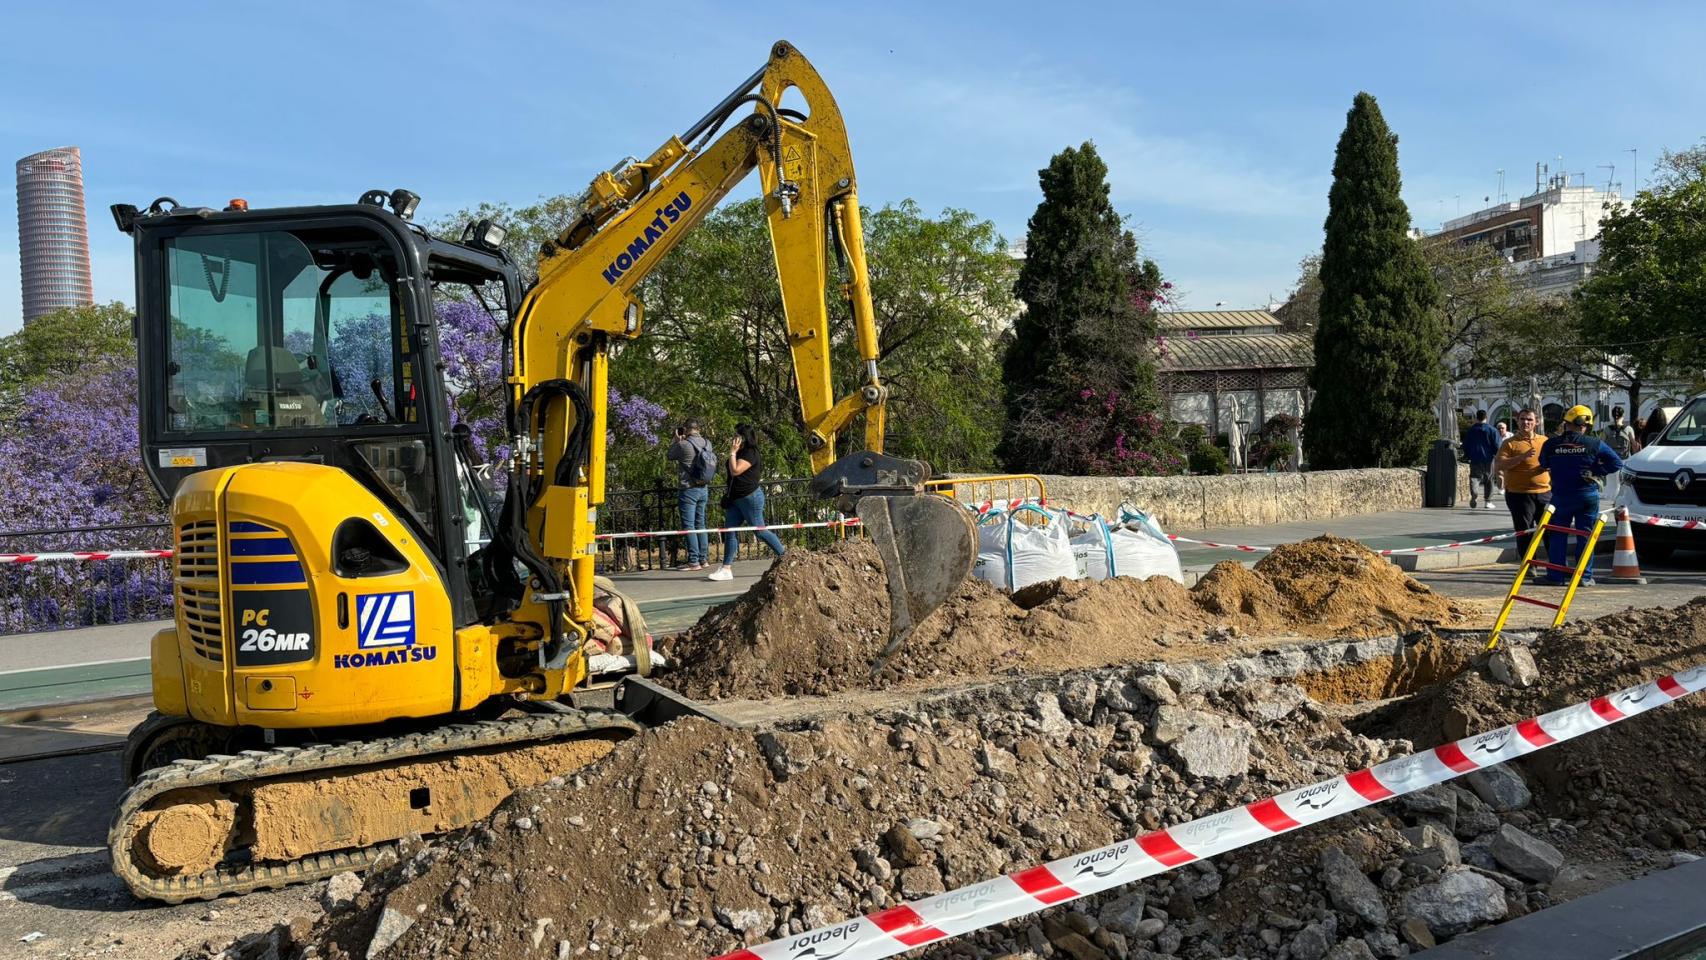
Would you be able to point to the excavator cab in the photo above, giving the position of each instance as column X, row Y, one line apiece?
column 306, row 335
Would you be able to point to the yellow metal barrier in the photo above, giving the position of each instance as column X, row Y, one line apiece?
column 1542, row 528
column 1003, row 488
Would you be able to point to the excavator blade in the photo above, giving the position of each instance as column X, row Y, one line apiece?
column 928, row 545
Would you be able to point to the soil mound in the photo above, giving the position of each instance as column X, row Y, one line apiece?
column 816, row 620
column 1331, row 580
column 693, row 839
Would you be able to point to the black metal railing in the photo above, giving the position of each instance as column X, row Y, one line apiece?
column 61, row 595
column 65, row 594
column 628, row 511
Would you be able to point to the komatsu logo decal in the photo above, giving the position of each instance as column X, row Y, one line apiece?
column 385, row 619
column 666, row 217
column 384, row 658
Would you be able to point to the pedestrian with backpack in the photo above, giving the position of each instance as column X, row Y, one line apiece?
column 696, row 467
column 743, row 502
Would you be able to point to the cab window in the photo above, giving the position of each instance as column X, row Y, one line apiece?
column 282, row 330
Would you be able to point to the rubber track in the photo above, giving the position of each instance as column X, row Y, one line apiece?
column 251, row 765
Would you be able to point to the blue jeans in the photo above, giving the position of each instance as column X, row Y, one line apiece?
column 692, row 501
column 748, row 511
column 1578, row 510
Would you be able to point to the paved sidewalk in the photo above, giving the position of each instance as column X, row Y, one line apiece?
column 1382, row 531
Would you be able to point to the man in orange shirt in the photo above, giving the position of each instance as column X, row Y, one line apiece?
column 1528, row 487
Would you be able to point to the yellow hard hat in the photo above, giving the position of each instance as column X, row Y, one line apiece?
column 1579, row 414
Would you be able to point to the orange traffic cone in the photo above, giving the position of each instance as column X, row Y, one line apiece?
column 1625, row 566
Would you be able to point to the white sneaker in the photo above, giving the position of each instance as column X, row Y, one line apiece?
column 721, row 573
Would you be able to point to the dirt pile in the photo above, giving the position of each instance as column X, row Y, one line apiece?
column 815, row 621
column 693, row 839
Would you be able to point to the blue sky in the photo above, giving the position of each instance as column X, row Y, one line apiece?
column 1218, row 120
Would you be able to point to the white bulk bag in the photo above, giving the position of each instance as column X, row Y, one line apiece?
column 1134, row 546
column 1012, row 554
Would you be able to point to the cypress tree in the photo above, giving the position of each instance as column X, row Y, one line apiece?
column 1079, row 372
column 1378, row 344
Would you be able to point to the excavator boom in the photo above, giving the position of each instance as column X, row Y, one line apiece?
column 585, row 300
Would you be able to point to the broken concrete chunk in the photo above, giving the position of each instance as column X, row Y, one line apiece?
column 1459, row 901
column 1350, row 889
column 1526, row 855
column 1431, row 847
column 787, row 753
column 1513, row 666
column 392, row 925
column 1501, row 787
column 340, row 891
column 1156, row 688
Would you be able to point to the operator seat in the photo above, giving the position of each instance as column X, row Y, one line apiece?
column 293, row 401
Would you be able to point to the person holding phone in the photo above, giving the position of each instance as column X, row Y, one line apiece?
column 743, row 503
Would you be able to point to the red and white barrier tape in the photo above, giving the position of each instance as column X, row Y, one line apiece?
column 1253, row 548
column 1667, row 522
column 82, row 555
column 900, row 928
column 849, row 522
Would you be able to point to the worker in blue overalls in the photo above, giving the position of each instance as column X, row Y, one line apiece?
column 1576, row 459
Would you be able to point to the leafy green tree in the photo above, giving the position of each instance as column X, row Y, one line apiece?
column 1476, row 298
column 1678, row 168
column 941, row 290
column 56, row 345
column 716, row 343
column 1642, row 307
column 1079, row 370
column 716, row 346
column 1379, row 341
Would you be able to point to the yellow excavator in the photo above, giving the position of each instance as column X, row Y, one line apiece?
column 366, row 643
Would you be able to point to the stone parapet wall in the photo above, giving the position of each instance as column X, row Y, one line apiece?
column 1236, row 500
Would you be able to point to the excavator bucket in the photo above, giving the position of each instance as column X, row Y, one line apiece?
column 928, row 545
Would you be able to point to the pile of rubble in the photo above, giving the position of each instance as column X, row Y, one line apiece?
column 816, row 620
column 694, row 839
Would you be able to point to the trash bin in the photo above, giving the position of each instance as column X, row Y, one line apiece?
column 1439, row 487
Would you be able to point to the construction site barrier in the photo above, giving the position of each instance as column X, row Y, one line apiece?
column 1668, row 522
column 78, row 555
column 900, row 928
column 986, row 492
column 983, row 507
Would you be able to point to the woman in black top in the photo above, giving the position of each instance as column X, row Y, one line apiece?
column 743, row 504
column 1654, row 426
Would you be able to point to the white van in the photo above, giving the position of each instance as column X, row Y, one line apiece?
column 1668, row 479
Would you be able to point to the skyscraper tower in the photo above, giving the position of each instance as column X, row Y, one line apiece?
column 53, row 232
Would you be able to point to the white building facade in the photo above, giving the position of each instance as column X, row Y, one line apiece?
column 1550, row 242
